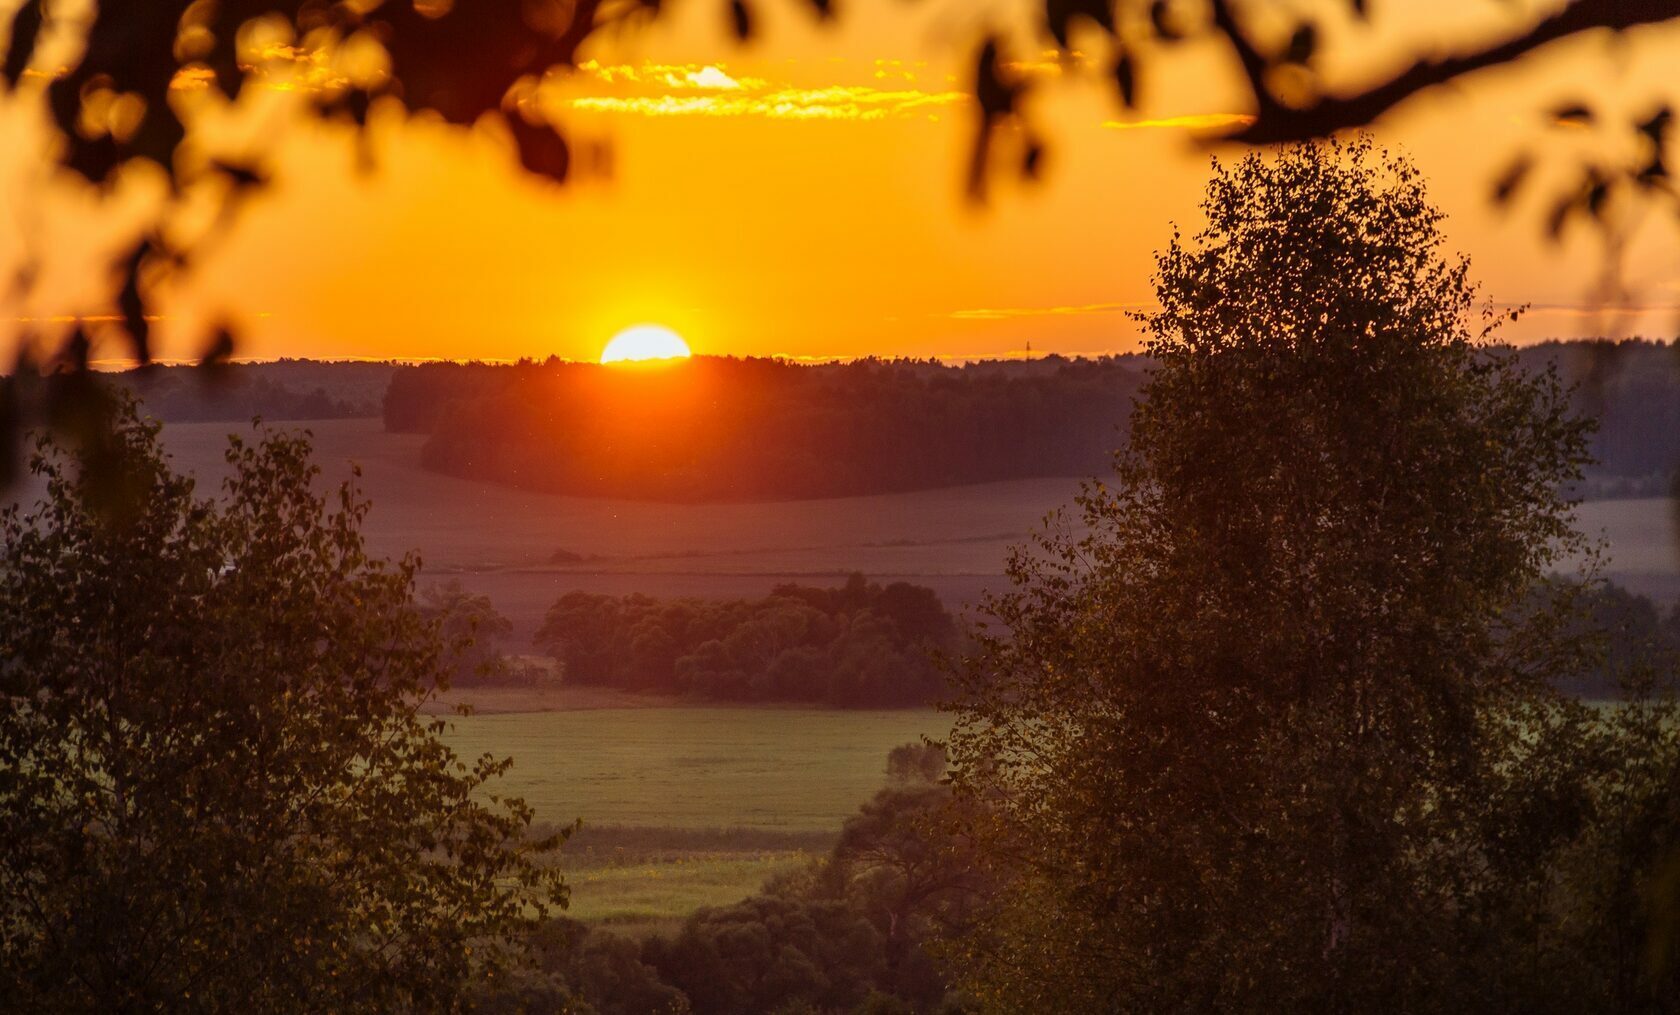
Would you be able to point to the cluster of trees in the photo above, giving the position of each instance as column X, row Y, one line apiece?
column 858, row 931
column 217, row 785
column 1629, row 644
column 858, row 645
column 716, row 428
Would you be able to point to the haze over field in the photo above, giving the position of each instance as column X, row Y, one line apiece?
column 502, row 541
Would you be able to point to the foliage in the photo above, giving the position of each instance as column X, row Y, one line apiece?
column 1268, row 731
column 217, row 787
column 860, row 645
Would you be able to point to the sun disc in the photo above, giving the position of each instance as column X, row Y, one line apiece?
column 644, row 343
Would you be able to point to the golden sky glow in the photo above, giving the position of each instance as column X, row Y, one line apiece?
column 797, row 196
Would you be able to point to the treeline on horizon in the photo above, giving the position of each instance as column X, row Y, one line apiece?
column 287, row 389
column 723, row 428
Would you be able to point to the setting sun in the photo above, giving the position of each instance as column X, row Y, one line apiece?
column 645, row 342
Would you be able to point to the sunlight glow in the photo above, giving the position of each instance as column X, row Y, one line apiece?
column 645, row 342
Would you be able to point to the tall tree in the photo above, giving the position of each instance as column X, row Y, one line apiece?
column 217, row 788
column 1248, row 735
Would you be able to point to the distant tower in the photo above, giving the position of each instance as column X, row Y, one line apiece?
column 1029, row 350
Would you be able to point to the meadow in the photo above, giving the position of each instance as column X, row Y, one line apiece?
column 525, row 549
column 687, row 807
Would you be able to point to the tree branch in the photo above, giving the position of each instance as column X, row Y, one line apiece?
column 1275, row 122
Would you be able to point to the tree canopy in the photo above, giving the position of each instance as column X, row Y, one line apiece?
column 861, row 645
column 217, row 787
column 1270, row 730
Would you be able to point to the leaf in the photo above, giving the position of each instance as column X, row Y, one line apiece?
column 1559, row 217
column 131, row 306
column 26, row 28
column 1655, row 127
column 1032, row 159
column 541, row 149
column 1572, row 115
column 1302, row 44
column 740, row 19
column 1059, row 15
column 1125, row 78
column 1165, row 25
column 1597, row 193
column 1505, row 187
column 219, row 349
column 996, row 96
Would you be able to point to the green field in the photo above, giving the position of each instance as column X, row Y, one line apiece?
column 689, row 807
column 769, row 769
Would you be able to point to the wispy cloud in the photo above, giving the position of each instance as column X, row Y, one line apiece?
column 1193, row 121
column 1076, row 310
column 711, row 90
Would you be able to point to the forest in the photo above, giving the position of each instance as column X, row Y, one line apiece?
column 859, row 645
column 237, row 392
column 720, row 428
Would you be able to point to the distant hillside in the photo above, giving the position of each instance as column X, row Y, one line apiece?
column 284, row 390
column 717, row 428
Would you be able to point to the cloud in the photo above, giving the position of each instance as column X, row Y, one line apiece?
column 1011, row 313
column 663, row 90
column 1193, row 121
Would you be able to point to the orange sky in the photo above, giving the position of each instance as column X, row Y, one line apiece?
column 799, row 196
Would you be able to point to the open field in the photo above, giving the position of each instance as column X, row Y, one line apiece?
column 638, row 880
column 689, row 807
column 778, row 769
column 503, row 542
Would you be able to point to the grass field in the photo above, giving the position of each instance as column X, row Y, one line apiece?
column 769, row 769
column 689, row 807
